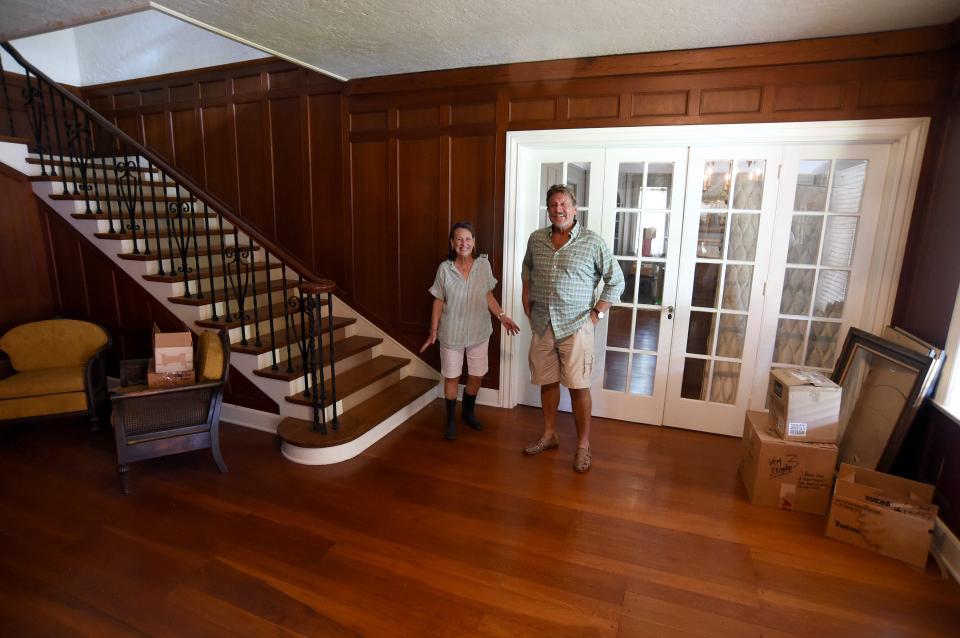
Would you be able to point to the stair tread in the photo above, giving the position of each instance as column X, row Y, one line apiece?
column 342, row 349
column 276, row 310
column 163, row 254
column 97, row 180
column 280, row 338
column 152, row 236
column 220, row 295
column 205, row 273
column 116, row 216
column 357, row 420
column 147, row 198
column 349, row 381
column 74, row 164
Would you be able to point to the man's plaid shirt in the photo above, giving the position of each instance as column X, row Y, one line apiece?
column 561, row 282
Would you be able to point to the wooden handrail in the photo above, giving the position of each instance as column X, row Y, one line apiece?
column 211, row 200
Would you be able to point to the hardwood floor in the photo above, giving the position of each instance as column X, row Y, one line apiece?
column 423, row 537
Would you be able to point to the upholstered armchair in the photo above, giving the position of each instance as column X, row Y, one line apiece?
column 149, row 423
column 52, row 368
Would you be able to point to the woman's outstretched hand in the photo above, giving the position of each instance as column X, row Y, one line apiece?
column 510, row 325
column 431, row 339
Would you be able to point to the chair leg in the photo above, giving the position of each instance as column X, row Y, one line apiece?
column 125, row 478
column 215, row 448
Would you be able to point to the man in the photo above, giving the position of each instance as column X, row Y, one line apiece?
column 562, row 267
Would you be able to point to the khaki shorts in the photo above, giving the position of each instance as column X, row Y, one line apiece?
column 569, row 360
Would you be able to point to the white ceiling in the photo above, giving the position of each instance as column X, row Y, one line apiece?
column 361, row 38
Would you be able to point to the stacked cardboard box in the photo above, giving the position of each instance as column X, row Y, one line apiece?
column 788, row 458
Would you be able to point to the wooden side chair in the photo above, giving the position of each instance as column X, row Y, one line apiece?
column 152, row 423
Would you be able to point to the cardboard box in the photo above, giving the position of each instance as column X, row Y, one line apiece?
column 172, row 351
column 157, row 379
column 883, row 513
column 805, row 405
column 785, row 474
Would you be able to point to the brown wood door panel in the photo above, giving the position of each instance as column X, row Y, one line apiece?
column 219, row 152
column 326, row 185
column 255, row 185
column 374, row 286
column 287, row 142
column 188, row 143
column 420, row 221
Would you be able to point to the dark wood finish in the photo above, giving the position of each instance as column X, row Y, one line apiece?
column 26, row 282
column 419, row 536
column 357, row 421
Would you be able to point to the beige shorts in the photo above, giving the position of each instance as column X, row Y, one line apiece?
column 451, row 360
column 569, row 360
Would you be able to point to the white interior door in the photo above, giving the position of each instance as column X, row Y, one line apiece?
column 820, row 272
column 582, row 170
column 727, row 226
column 641, row 221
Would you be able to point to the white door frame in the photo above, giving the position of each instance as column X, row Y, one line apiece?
column 906, row 135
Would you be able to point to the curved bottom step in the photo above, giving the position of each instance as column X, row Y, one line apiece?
column 360, row 427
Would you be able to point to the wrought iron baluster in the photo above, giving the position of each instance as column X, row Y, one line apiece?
column 239, row 258
column 126, row 178
column 6, row 99
column 106, row 198
column 88, row 155
column 79, row 148
column 141, row 175
column 173, row 268
column 156, row 218
column 213, row 290
column 287, row 319
column 273, row 335
column 33, row 107
column 256, row 308
column 46, row 127
column 181, row 236
column 319, row 414
column 227, row 316
column 333, row 373
column 56, row 122
column 196, row 246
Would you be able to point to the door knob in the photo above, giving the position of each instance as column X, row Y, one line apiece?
column 669, row 312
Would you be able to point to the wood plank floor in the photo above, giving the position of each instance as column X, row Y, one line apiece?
column 423, row 537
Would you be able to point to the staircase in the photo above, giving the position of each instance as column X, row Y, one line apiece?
column 340, row 382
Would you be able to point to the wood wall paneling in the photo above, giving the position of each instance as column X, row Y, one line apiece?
column 156, row 132
column 213, row 88
column 294, row 226
column 253, row 171
column 659, row 103
column 533, row 110
column 809, row 97
column 183, row 92
column 220, row 153
column 188, row 142
column 734, row 100
column 130, row 124
column 67, row 259
column 326, row 185
column 420, row 220
column 27, row 289
column 247, row 84
column 481, row 113
column 373, row 286
column 580, row 108
column 372, row 121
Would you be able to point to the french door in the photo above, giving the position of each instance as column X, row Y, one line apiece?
column 737, row 256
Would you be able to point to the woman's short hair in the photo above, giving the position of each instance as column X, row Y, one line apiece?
column 451, row 253
column 561, row 188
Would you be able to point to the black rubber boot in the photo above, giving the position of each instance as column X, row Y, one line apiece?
column 466, row 413
column 450, row 430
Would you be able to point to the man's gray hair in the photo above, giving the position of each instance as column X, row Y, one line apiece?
column 561, row 188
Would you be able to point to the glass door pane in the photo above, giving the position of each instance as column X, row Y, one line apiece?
column 727, row 222
column 641, row 223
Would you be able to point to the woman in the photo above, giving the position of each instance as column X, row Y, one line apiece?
column 463, row 293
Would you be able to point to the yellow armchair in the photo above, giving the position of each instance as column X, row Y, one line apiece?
column 52, row 368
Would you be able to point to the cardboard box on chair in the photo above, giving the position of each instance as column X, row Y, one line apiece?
column 785, row 474
column 886, row 514
column 805, row 405
column 172, row 351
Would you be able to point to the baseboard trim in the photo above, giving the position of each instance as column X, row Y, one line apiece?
column 250, row 418
column 946, row 549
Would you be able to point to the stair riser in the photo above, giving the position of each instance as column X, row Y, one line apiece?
column 145, row 239
column 263, row 302
column 347, row 402
column 297, row 385
column 153, row 267
column 118, row 207
column 109, row 162
column 103, row 225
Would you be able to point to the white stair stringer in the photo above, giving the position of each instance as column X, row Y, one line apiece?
column 15, row 155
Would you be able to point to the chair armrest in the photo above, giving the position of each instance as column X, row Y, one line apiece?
column 6, row 367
